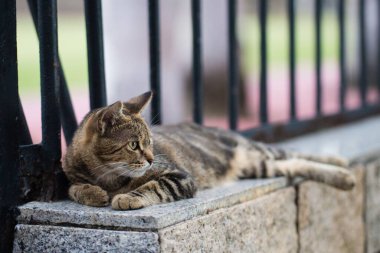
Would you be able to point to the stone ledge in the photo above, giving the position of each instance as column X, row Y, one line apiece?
column 335, row 216
column 265, row 225
column 356, row 141
column 372, row 206
column 150, row 218
column 199, row 223
column 330, row 220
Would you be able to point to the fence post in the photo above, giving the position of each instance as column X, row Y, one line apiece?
column 69, row 122
column 154, row 51
column 233, row 66
column 263, row 16
column 51, row 124
column 9, row 148
column 96, row 74
column 196, row 17
column 318, row 56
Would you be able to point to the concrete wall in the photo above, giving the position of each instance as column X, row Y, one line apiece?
column 247, row 216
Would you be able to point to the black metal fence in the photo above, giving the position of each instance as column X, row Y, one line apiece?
column 33, row 171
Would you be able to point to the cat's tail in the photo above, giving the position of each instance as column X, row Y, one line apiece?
column 329, row 174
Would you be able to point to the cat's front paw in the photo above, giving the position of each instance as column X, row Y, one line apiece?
column 90, row 195
column 127, row 202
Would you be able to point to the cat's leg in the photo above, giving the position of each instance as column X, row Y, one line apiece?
column 87, row 194
column 332, row 175
column 334, row 160
column 167, row 187
column 277, row 153
column 281, row 154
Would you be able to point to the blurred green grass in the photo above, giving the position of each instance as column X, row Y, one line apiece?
column 72, row 46
column 72, row 51
column 278, row 40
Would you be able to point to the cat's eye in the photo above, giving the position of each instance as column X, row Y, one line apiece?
column 133, row 145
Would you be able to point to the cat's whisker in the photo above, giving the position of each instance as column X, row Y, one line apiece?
column 152, row 119
column 128, row 173
column 116, row 163
column 162, row 164
column 157, row 162
column 160, row 155
column 107, row 165
column 108, row 172
column 100, row 167
column 134, row 172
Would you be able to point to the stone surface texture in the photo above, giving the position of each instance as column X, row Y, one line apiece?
column 352, row 141
column 36, row 238
column 150, row 218
column 267, row 224
column 357, row 142
column 330, row 220
column 372, row 214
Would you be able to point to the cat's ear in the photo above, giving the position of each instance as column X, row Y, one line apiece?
column 137, row 104
column 107, row 117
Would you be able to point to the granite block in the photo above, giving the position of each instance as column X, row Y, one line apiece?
column 266, row 224
column 372, row 213
column 150, row 218
column 37, row 238
column 330, row 220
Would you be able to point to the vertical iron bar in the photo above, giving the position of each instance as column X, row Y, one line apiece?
column 96, row 74
column 24, row 134
column 154, row 51
column 47, row 24
column 9, row 146
column 49, row 66
column 292, row 59
column 363, row 53
column 378, row 48
column 69, row 122
column 263, row 61
column 342, row 54
column 197, row 61
column 318, row 52
column 233, row 66
column 67, row 114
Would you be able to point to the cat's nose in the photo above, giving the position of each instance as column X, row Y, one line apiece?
column 148, row 156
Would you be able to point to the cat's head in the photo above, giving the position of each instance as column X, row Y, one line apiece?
column 119, row 137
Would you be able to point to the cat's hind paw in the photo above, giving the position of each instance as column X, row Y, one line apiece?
column 338, row 161
column 347, row 181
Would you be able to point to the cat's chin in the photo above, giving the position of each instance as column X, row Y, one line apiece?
column 139, row 172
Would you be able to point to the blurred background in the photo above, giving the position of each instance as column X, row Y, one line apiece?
column 127, row 58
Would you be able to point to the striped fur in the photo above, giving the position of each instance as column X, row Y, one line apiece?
column 170, row 163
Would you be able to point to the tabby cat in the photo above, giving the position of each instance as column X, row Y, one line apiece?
column 116, row 158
